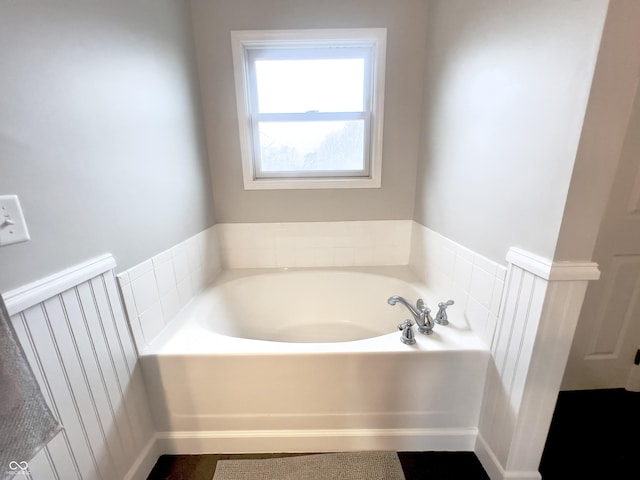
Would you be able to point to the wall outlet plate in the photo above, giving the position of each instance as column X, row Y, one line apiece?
column 13, row 228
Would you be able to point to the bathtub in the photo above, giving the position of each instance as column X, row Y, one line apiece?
column 311, row 360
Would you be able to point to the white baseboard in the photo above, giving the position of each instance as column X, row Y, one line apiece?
column 260, row 441
column 633, row 380
column 146, row 460
column 494, row 468
column 247, row 441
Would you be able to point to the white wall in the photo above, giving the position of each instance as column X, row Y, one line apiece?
column 612, row 95
column 406, row 37
column 506, row 90
column 100, row 131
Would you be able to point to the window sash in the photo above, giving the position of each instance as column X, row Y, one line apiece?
column 254, row 54
column 309, row 116
column 259, row 172
column 306, row 53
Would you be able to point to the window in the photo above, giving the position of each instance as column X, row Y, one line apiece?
column 310, row 106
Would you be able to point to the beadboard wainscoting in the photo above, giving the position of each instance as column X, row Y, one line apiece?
column 155, row 290
column 74, row 333
column 529, row 350
column 474, row 282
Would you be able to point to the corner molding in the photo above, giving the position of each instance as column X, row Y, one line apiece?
column 553, row 271
column 493, row 467
column 33, row 293
column 144, row 462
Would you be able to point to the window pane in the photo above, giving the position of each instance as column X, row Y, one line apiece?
column 298, row 86
column 312, row 146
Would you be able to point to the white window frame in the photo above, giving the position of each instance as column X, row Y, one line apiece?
column 248, row 44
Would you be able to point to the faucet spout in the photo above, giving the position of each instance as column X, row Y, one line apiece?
column 396, row 298
column 421, row 314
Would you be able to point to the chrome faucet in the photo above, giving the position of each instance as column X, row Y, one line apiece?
column 421, row 314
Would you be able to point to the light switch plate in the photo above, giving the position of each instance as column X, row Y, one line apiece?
column 13, row 228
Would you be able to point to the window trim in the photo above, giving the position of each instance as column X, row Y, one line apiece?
column 245, row 42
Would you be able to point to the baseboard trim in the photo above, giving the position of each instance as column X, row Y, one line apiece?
column 145, row 461
column 494, row 468
column 256, row 441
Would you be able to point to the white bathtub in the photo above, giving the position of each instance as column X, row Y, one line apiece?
column 311, row 360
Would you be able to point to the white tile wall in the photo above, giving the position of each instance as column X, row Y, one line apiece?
column 315, row 244
column 453, row 271
column 155, row 290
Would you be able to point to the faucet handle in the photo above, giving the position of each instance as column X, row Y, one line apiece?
column 408, row 338
column 442, row 317
column 405, row 324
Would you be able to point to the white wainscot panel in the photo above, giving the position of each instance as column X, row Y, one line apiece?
column 75, row 337
column 540, row 308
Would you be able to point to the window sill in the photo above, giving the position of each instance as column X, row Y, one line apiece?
column 309, row 183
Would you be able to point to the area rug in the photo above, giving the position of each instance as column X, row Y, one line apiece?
column 328, row 466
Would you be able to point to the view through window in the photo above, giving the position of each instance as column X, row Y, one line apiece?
column 311, row 115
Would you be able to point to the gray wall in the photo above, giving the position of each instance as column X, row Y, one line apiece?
column 506, row 90
column 100, row 132
column 604, row 132
column 406, row 40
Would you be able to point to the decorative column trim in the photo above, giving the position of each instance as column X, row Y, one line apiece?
column 540, row 307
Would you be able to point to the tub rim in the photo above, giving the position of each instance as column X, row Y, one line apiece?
column 175, row 340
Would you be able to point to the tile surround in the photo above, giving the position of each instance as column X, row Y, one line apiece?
column 453, row 271
column 155, row 290
column 314, row 244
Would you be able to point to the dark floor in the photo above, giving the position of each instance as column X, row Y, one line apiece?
column 594, row 435
column 416, row 466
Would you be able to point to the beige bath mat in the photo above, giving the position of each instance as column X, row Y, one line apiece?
column 329, row 466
